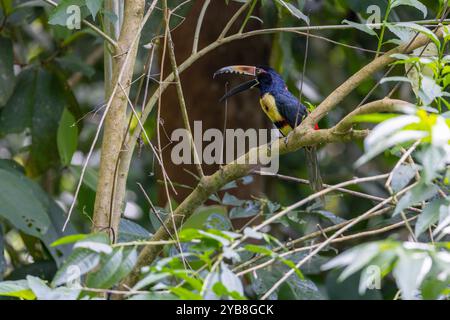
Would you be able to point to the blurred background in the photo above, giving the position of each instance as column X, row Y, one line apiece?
column 312, row 66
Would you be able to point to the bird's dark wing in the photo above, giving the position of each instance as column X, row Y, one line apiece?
column 290, row 108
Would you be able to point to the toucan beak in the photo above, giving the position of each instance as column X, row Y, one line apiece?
column 245, row 70
column 242, row 87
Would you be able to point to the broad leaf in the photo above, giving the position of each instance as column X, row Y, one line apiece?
column 294, row 10
column 67, row 138
column 37, row 103
column 7, row 79
column 109, row 266
column 80, row 262
column 18, row 289
column 430, row 215
column 61, row 14
column 131, row 231
column 410, row 271
column 94, row 6
column 419, row 193
column 19, row 205
column 361, row 27
column 413, row 3
column 44, row 292
column 402, row 176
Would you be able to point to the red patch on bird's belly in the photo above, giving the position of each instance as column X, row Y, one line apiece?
column 316, row 127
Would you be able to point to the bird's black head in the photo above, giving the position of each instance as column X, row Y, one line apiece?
column 265, row 79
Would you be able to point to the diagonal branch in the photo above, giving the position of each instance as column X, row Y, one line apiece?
column 302, row 136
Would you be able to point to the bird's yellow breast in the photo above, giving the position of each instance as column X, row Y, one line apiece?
column 269, row 107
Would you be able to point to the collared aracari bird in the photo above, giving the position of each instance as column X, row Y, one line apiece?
column 282, row 108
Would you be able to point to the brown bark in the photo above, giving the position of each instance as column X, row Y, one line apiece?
column 202, row 93
column 106, row 212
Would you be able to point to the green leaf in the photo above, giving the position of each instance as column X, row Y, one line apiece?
column 90, row 176
column 419, row 193
column 185, row 294
column 69, row 239
column 210, row 217
column 44, row 292
column 37, row 103
column 251, row 233
column 80, row 262
column 93, row 246
column 294, row 11
column 18, row 289
column 389, row 142
column 402, row 176
column 84, row 258
column 329, row 216
column 7, row 7
column 16, row 115
column 154, row 296
column 73, row 64
column 149, row 279
column 11, row 166
column 433, row 160
column 293, row 289
column 410, row 271
column 131, row 231
column 54, row 212
column 430, row 215
column 109, row 266
column 388, row 134
column 361, row 27
column 94, row 6
column 429, row 90
column 413, row 3
column 60, row 16
column 363, row 257
column 405, row 31
column 259, row 249
column 67, row 137
column 248, row 208
column 354, row 259
column 130, row 256
column 7, row 79
column 2, row 253
column 230, row 280
column 19, row 205
column 189, row 277
column 230, row 200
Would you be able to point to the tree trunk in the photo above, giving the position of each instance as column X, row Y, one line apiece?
column 106, row 211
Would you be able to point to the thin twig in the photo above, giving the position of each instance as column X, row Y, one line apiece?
column 323, row 245
column 399, row 163
column 182, row 103
column 199, row 26
column 337, row 240
column 233, row 20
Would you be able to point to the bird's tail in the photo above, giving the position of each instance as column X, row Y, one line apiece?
column 315, row 179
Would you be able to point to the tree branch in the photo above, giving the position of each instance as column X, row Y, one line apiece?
column 302, row 136
column 383, row 105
